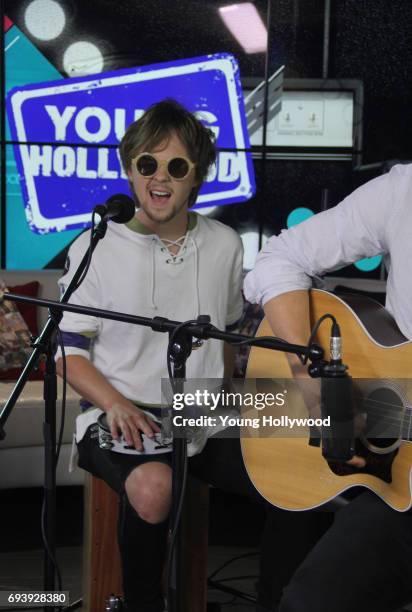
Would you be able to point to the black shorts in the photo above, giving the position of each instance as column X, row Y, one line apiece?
column 112, row 467
column 220, row 464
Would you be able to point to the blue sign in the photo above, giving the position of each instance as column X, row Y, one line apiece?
column 64, row 178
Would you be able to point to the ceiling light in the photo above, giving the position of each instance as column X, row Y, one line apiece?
column 246, row 25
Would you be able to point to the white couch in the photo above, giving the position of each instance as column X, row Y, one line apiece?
column 21, row 452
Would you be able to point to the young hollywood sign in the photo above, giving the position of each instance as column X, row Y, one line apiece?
column 68, row 132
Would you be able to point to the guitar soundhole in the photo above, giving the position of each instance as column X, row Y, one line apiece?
column 383, row 409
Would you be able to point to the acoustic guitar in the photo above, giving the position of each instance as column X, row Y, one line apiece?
column 290, row 471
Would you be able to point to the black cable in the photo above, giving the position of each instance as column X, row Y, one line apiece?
column 230, row 578
column 232, row 560
column 303, row 359
column 89, row 258
column 56, row 456
column 64, row 391
column 172, row 337
column 251, row 340
column 47, row 548
column 218, row 584
column 231, row 602
column 315, row 330
column 262, row 338
column 174, row 527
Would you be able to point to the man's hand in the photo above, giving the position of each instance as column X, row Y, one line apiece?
column 314, row 411
column 359, row 426
column 131, row 422
column 122, row 416
column 357, row 461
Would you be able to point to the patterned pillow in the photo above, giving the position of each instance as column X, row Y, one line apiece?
column 14, row 335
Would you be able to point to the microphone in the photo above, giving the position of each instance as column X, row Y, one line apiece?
column 337, row 403
column 119, row 208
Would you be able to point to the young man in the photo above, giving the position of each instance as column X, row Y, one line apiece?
column 165, row 262
column 364, row 561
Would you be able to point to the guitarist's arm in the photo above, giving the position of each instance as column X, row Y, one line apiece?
column 288, row 316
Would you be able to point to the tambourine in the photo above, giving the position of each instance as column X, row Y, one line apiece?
column 152, row 446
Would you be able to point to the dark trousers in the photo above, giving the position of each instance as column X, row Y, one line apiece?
column 361, row 563
column 142, row 545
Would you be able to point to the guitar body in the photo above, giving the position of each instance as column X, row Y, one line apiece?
column 291, row 473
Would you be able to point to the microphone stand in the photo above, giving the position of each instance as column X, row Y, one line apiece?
column 43, row 344
column 181, row 336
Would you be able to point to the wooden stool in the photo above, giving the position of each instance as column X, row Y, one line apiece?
column 101, row 559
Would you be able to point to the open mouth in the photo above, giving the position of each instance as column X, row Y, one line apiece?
column 160, row 196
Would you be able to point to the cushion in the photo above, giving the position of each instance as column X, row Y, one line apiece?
column 28, row 311
column 14, row 336
column 17, row 321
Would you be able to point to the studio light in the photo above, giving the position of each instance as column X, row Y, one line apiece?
column 44, row 19
column 246, row 25
column 82, row 58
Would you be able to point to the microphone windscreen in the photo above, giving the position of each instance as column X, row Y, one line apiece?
column 124, row 205
column 337, row 403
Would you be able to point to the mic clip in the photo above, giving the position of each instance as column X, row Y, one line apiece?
column 330, row 369
column 315, row 369
column 334, row 369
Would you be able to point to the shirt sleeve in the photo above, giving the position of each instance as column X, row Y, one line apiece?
column 235, row 297
column 78, row 330
column 354, row 229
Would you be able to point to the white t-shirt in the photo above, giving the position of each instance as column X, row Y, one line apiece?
column 133, row 272
column 376, row 219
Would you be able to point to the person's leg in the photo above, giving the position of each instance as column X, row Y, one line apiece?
column 287, row 537
column 142, row 533
column 363, row 562
column 221, row 465
column 143, row 485
column 286, row 540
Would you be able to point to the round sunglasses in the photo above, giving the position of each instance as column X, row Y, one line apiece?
column 178, row 168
